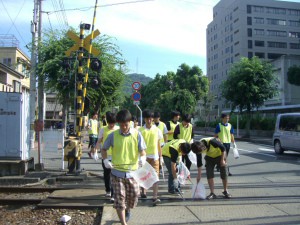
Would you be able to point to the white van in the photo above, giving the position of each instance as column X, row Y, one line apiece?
column 287, row 133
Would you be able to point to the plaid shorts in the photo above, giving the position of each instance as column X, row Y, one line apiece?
column 155, row 164
column 126, row 192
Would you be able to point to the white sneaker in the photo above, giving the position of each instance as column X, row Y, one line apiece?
column 107, row 194
column 112, row 200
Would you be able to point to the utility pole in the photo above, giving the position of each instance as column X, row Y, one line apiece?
column 32, row 96
column 40, row 76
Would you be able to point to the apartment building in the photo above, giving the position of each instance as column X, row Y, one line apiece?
column 267, row 29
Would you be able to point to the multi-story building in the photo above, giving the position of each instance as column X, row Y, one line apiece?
column 267, row 29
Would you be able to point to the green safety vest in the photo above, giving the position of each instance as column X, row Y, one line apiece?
column 174, row 144
column 172, row 126
column 106, row 132
column 212, row 151
column 125, row 152
column 185, row 132
column 151, row 138
column 94, row 127
column 161, row 126
column 224, row 134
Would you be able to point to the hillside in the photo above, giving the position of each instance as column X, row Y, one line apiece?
column 133, row 77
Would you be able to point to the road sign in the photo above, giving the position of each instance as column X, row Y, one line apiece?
column 86, row 44
column 136, row 102
column 136, row 96
column 136, row 85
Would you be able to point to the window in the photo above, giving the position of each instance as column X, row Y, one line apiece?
column 260, row 55
column 294, row 12
column 248, row 9
column 273, row 44
column 294, row 34
column 249, row 44
column 259, row 43
column 258, row 9
column 274, row 55
column 276, row 22
column 294, row 46
column 227, row 50
column 249, row 32
column 258, row 20
column 249, row 20
column 276, row 33
column 7, row 61
column 259, row 32
column 294, row 23
column 275, row 10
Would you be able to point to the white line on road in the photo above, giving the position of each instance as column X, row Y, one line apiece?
column 245, row 150
column 266, row 149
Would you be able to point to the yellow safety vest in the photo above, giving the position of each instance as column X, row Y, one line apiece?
column 93, row 127
column 224, row 134
column 212, row 151
column 151, row 138
column 106, row 132
column 174, row 144
column 161, row 126
column 172, row 126
column 125, row 152
column 185, row 132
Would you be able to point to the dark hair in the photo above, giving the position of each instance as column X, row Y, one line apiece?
column 123, row 116
column 156, row 114
column 175, row 113
column 185, row 148
column 133, row 118
column 147, row 113
column 223, row 115
column 186, row 118
column 197, row 146
column 111, row 117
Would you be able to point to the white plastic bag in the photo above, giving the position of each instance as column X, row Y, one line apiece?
column 236, row 154
column 95, row 156
column 193, row 158
column 145, row 176
column 183, row 173
column 198, row 191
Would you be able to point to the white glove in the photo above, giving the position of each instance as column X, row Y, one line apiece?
column 234, row 145
column 175, row 183
column 107, row 164
column 142, row 160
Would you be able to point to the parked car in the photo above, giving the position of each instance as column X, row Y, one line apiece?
column 287, row 133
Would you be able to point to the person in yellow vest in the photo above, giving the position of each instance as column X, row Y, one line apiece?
column 152, row 136
column 224, row 131
column 103, row 134
column 172, row 124
column 172, row 152
column 215, row 155
column 127, row 153
column 135, row 123
column 163, row 128
column 93, row 127
column 184, row 130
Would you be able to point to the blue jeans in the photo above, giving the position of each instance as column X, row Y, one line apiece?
column 167, row 162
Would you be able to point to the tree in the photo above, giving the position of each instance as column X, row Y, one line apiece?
column 100, row 97
column 293, row 75
column 250, row 82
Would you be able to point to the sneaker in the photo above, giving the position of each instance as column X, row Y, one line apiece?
column 177, row 190
column 127, row 215
column 112, row 200
column 155, row 201
column 107, row 194
column 226, row 194
column 143, row 195
column 89, row 154
column 211, row 196
column 229, row 174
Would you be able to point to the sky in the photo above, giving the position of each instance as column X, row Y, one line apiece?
column 155, row 36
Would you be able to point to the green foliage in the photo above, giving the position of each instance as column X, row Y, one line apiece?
column 51, row 54
column 130, row 78
column 293, row 75
column 250, row 82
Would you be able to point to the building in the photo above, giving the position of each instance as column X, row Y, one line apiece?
column 14, row 66
column 267, row 29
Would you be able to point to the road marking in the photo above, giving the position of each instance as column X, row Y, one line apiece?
column 257, row 152
column 266, row 149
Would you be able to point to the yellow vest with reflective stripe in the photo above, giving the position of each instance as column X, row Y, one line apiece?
column 106, row 132
column 174, row 144
column 172, row 126
column 151, row 138
column 125, row 153
column 212, row 151
column 161, row 126
column 224, row 134
column 185, row 132
column 93, row 127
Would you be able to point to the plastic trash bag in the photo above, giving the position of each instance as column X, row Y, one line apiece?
column 198, row 191
column 193, row 158
column 65, row 218
column 145, row 176
column 236, row 154
column 183, row 173
column 95, row 156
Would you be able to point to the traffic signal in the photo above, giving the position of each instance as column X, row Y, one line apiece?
column 95, row 82
column 64, row 81
column 96, row 65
